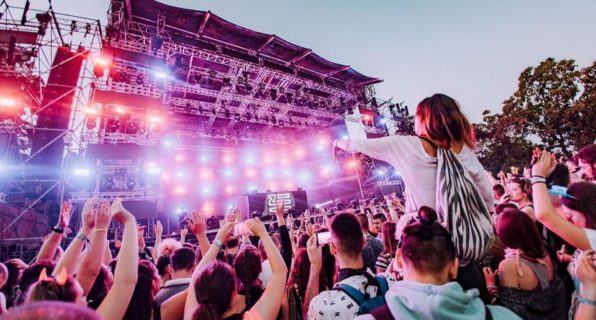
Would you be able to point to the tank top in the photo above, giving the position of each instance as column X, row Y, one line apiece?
column 539, row 268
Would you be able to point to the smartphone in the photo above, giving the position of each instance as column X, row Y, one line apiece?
column 323, row 237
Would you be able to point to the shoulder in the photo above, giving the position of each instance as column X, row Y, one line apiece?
column 508, row 273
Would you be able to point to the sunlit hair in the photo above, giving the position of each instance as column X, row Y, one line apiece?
column 443, row 122
column 60, row 288
column 584, row 199
column 167, row 247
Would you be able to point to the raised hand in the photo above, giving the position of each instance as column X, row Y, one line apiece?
column 198, row 224
column 141, row 237
column 279, row 210
column 586, row 273
column 307, row 215
column 119, row 213
column 88, row 216
column 103, row 216
column 545, row 164
column 315, row 254
column 158, row 229
column 183, row 233
column 65, row 213
column 225, row 232
column 256, row 227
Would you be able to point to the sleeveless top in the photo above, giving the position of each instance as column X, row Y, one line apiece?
column 538, row 267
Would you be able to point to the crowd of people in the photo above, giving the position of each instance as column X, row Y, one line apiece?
column 464, row 245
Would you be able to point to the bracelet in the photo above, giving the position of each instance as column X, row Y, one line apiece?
column 218, row 243
column 586, row 301
column 537, row 176
column 536, row 182
column 538, row 179
column 82, row 237
column 58, row 230
column 102, row 229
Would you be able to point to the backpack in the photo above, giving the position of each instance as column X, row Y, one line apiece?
column 365, row 303
column 384, row 313
column 461, row 209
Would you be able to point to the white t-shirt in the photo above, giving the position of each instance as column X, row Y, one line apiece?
column 337, row 305
column 591, row 234
column 418, row 169
column 266, row 272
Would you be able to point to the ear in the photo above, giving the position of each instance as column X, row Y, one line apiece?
column 399, row 259
column 453, row 269
column 332, row 248
column 62, row 277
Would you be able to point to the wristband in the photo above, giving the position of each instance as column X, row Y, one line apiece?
column 218, row 243
column 58, row 230
column 537, row 176
column 82, row 237
column 536, row 179
column 586, row 301
column 102, row 229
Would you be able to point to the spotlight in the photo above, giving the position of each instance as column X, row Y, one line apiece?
column 120, row 110
column 154, row 119
column 8, row 102
column 160, row 74
column 81, row 172
column 380, row 172
column 90, row 111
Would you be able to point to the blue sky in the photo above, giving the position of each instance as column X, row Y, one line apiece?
column 470, row 50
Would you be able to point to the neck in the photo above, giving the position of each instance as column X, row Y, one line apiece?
column 425, row 278
column 181, row 274
column 349, row 263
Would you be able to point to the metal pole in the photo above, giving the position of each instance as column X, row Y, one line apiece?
column 358, row 178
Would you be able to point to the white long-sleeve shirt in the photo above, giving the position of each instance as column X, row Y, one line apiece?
column 418, row 169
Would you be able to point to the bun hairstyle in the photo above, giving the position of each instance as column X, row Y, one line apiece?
column 60, row 288
column 426, row 244
column 214, row 289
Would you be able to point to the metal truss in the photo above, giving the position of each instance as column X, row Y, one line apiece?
column 78, row 197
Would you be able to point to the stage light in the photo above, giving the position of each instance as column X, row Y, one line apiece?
column 345, row 137
column 269, row 173
column 228, row 173
column 120, row 110
column 8, row 102
column 227, row 159
column 101, row 61
column 252, row 188
column 167, row 143
column 288, row 186
column 206, row 173
column 366, row 117
column 166, row 177
column 179, row 158
column 206, row 190
column 352, row 164
column 159, row 74
column 152, row 170
column 90, row 111
column 380, row 172
column 383, row 120
column 154, row 119
column 396, row 173
column 81, row 172
column 179, row 174
column 229, row 189
column 180, row 190
column 180, row 209
column 250, row 173
column 287, row 172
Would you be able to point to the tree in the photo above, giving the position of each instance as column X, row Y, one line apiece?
column 554, row 106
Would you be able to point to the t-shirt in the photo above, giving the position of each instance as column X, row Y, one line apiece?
column 383, row 260
column 266, row 272
column 372, row 249
column 418, row 169
column 336, row 304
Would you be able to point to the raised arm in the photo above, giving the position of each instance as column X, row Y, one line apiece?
column 386, row 148
column 126, row 274
column 73, row 252
column 267, row 307
column 222, row 236
column 91, row 263
column 286, row 243
column 586, row 273
column 315, row 255
column 52, row 242
column 198, row 227
column 183, row 234
column 544, row 210
column 158, row 230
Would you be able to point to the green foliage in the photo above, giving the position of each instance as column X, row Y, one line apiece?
column 554, row 106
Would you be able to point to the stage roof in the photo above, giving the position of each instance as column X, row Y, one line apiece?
column 214, row 30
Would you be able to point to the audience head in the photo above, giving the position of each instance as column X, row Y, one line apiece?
column 347, row 239
column 31, row 275
column 141, row 303
column 183, row 259
column 51, row 310
column 586, row 158
column 520, row 190
column 389, row 241
column 101, row 286
column 167, row 247
column 164, row 268
column 300, row 271
column 504, row 206
column 247, row 265
column 215, row 287
column 518, row 231
column 498, row 191
column 303, row 240
column 377, row 223
column 559, row 176
column 427, row 249
column 3, row 274
column 579, row 207
column 440, row 119
column 60, row 288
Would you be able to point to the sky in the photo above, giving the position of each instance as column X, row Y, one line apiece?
column 471, row 50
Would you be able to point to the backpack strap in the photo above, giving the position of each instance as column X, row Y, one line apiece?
column 487, row 313
column 383, row 285
column 352, row 292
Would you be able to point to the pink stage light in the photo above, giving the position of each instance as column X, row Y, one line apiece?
column 272, row 186
column 352, row 164
column 228, row 158
column 284, row 161
column 180, row 190
column 8, row 102
column 250, row 173
column 289, row 186
column 90, row 110
column 230, row 189
column 101, row 61
column 120, row 110
column 154, row 119
column 166, row 177
column 206, row 173
column 180, row 158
